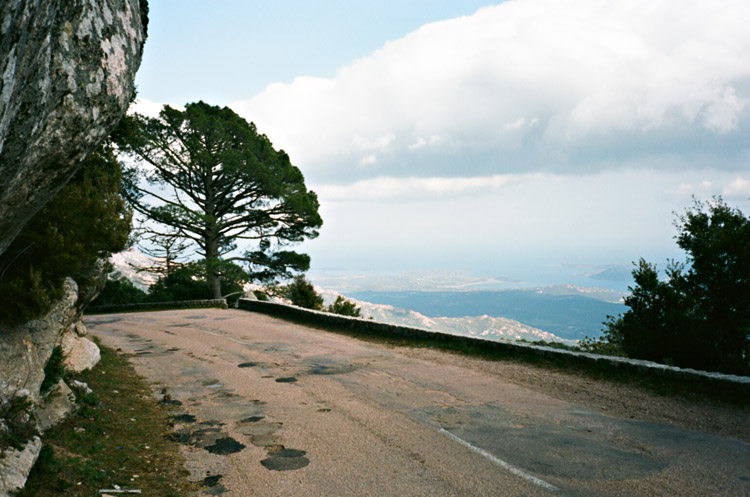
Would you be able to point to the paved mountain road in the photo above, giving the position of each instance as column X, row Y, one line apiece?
column 269, row 408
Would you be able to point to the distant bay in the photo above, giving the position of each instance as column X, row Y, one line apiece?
column 571, row 317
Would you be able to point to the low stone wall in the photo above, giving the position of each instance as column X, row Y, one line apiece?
column 155, row 306
column 367, row 326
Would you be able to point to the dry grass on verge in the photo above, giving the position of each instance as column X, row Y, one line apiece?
column 117, row 437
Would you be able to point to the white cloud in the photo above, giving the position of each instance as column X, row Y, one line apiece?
column 389, row 188
column 527, row 84
column 150, row 108
column 702, row 188
column 732, row 188
column 368, row 160
column 421, row 142
column 739, row 188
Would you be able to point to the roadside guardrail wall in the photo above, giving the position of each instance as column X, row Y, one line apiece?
column 368, row 326
column 154, row 306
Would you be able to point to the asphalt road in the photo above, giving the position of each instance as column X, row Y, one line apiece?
column 269, row 408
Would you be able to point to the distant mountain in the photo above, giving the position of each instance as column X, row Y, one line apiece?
column 409, row 280
column 127, row 262
column 491, row 328
column 570, row 316
column 603, row 294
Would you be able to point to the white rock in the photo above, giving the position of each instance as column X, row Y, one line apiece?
column 59, row 403
column 80, row 353
column 16, row 464
column 81, row 386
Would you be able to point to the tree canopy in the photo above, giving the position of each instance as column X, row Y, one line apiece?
column 700, row 316
column 215, row 181
column 86, row 221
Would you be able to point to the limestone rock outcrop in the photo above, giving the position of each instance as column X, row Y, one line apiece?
column 67, row 69
column 15, row 465
column 25, row 349
column 67, row 72
column 58, row 404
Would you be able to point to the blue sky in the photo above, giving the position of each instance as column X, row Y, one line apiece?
column 504, row 139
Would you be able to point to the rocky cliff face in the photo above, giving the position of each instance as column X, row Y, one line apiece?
column 67, row 69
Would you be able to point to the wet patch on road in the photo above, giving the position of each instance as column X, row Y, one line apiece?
column 544, row 448
column 327, row 366
column 211, row 438
column 258, row 429
column 214, row 487
column 169, row 401
column 252, row 419
column 290, row 379
column 224, row 446
column 184, row 418
column 282, row 459
column 260, row 434
column 247, row 365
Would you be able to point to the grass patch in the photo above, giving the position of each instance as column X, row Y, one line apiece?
column 117, row 437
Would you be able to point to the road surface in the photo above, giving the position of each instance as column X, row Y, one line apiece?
column 265, row 407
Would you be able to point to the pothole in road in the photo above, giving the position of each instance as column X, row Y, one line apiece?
column 247, row 365
column 286, row 380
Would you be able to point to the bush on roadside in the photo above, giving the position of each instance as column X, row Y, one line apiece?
column 302, row 294
column 344, row 307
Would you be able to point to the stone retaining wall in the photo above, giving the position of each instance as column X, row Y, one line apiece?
column 154, row 306
column 367, row 326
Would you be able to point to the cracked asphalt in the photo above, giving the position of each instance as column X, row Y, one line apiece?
column 265, row 407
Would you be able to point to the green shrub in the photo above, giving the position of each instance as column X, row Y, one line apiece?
column 120, row 290
column 86, row 221
column 189, row 282
column 700, row 316
column 260, row 295
column 302, row 293
column 54, row 370
column 344, row 307
column 20, row 423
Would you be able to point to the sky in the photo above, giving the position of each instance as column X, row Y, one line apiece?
column 507, row 139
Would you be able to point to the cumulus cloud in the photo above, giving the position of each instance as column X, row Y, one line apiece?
column 739, row 188
column 526, row 85
column 150, row 108
column 411, row 188
column 730, row 187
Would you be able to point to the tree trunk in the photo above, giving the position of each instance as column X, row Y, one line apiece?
column 214, row 283
column 212, row 274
